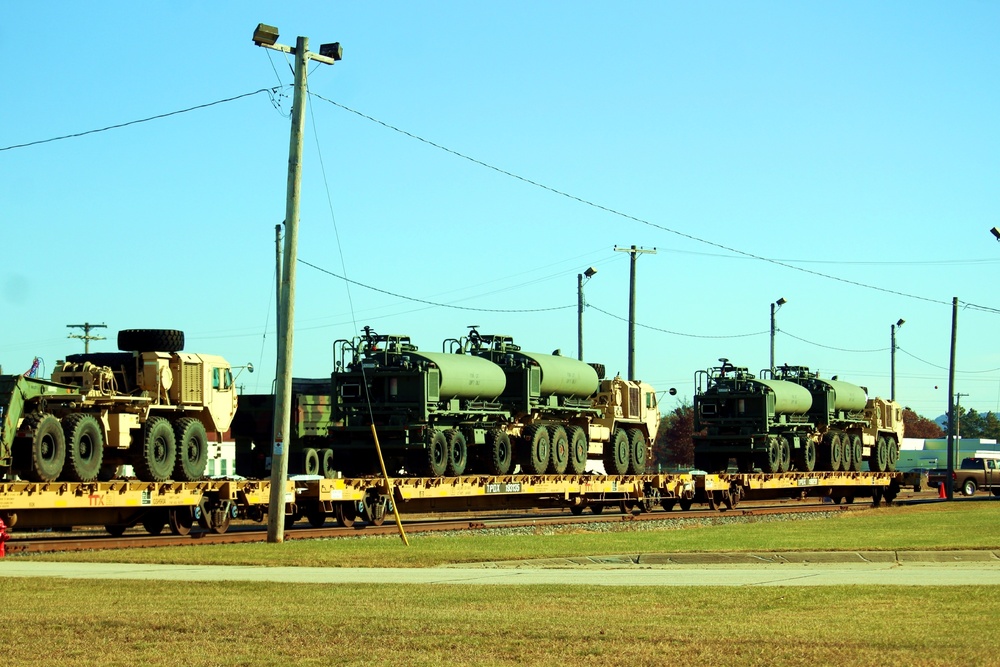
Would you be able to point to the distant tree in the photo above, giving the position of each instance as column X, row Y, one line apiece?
column 915, row 426
column 674, row 445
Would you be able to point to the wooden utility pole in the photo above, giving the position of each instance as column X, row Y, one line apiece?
column 266, row 36
column 86, row 337
column 634, row 252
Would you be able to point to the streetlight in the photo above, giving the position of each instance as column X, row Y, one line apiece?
column 892, row 366
column 995, row 232
column 775, row 307
column 588, row 274
column 266, row 36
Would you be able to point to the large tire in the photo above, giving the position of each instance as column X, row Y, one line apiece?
column 497, row 455
column 154, row 456
column 43, row 455
column 150, row 340
column 559, row 450
column 857, row 453
column 879, row 457
column 433, row 461
column 192, row 449
column 537, row 447
column 577, row 464
column 833, row 452
column 805, row 460
column 616, row 456
column 310, row 461
column 770, row 459
column 892, row 454
column 785, row 451
column 327, row 466
column 84, row 448
column 636, row 452
column 458, row 453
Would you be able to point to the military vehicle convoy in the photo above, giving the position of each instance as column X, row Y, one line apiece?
column 150, row 406
column 481, row 405
column 791, row 419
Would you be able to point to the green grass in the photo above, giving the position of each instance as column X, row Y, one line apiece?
column 194, row 624
column 966, row 525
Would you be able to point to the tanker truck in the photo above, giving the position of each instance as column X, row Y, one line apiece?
column 150, row 406
column 790, row 418
column 481, row 405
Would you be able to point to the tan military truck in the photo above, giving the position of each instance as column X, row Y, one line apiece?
column 150, row 406
column 622, row 435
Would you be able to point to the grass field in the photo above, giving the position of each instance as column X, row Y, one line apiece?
column 965, row 525
column 85, row 622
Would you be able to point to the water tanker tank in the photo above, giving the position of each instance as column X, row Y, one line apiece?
column 789, row 398
column 465, row 376
column 563, row 376
column 850, row 397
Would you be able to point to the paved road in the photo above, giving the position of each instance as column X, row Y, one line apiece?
column 787, row 569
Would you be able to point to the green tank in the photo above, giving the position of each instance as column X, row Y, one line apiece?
column 789, row 398
column 465, row 376
column 563, row 376
column 849, row 397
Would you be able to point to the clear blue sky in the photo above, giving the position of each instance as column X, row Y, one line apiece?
column 854, row 144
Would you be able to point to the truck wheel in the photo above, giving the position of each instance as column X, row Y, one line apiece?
column 150, row 340
column 192, row 449
column 892, row 455
column 45, row 453
column 879, row 457
column 833, row 451
column 785, row 464
column 458, row 453
column 559, row 448
column 310, row 461
column 969, row 488
column 857, row 453
column 577, row 464
column 616, row 454
column 433, row 460
column 84, row 448
column 536, row 440
column 636, row 452
column 498, row 454
column 153, row 460
column 805, row 458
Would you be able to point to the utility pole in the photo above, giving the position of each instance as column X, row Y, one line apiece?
column 86, row 337
column 267, row 36
column 775, row 307
column 634, row 252
column 581, row 279
column 892, row 364
column 952, row 413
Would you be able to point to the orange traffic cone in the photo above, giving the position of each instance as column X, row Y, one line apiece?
column 941, row 493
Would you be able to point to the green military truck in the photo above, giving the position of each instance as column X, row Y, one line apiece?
column 150, row 406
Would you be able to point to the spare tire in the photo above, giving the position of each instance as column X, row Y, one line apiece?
column 151, row 340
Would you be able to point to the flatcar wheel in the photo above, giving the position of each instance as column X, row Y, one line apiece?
column 686, row 504
column 596, row 508
column 316, row 517
column 577, row 464
column 115, row 529
column 558, row 450
column 154, row 522
column 576, row 510
column 668, row 503
column 180, row 520
column 345, row 513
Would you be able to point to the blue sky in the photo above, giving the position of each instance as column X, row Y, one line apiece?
column 843, row 156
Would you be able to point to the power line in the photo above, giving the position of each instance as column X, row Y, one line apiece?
column 434, row 303
column 141, row 120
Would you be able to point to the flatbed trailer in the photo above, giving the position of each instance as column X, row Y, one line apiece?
column 212, row 504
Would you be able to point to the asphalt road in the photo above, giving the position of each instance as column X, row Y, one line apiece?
column 941, row 568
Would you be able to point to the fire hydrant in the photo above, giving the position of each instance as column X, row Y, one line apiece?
column 3, row 538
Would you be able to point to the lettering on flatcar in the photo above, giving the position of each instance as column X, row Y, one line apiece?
column 510, row 487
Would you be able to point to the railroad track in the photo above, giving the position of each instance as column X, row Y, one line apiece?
column 95, row 539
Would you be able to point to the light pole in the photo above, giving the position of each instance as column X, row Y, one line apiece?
column 892, row 355
column 775, row 307
column 581, row 279
column 266, row 36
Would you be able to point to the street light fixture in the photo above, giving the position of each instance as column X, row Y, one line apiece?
column 775, row 307
column 892, row 355
column 581, row 278
column 996, row 232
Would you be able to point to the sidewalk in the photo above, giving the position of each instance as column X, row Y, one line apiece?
column 940, row 568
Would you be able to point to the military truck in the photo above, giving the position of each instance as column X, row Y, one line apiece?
column 150, row 406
